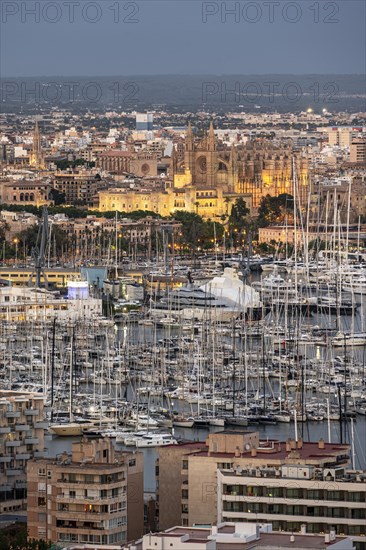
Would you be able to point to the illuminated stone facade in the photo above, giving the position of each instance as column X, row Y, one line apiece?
column 128, row 162
column 36, row 158
column 256, row 168
column 209, row 177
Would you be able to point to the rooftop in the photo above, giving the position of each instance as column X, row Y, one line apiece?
column 279, row 451
column 241, row 536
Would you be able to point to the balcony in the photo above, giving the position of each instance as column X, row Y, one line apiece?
column 21, row 427
column 5, row 430
column 91, row 500
column 270, row 499
column 268, row 516
column 40, row 454
column 22, row 456
column 92, row 484
column 5, row 459
column 31, row 412
column 78, row 515
column 13, row 443
column 13, row 472
column 12, row 415
column 41, row 425
column 31, row 441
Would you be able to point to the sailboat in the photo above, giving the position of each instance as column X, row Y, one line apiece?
column 71, row 427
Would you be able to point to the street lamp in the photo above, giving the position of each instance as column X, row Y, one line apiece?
column 16, row 242
column 119, row 246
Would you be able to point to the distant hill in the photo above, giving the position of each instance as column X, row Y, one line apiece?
column 221, row 94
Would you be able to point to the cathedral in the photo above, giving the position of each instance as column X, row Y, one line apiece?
column 207, row 177
column 251, row 171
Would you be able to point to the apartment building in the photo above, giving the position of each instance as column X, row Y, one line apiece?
column 323, row 499
column 21, row 438
column 237, row 536
column 78, row 187
column 172, row 482
column 358, row 151
column 341, row 135
column 92, row 496
column 237, row 477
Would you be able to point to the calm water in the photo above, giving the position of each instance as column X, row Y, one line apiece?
column 311, row 431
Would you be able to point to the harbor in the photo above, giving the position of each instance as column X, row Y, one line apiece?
column 216, row 353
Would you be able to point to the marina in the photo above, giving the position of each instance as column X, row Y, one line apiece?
column 287, row 357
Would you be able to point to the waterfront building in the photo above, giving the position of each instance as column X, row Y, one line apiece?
column 93, row 495
column 286, row 234
column 20, row 276
column 21, row 438
column 237, row 477
column 36, row 304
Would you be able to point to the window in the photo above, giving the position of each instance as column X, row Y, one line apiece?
column 335, row 495
column 224, row 465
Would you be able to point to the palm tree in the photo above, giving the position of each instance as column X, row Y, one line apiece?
column 227, row 201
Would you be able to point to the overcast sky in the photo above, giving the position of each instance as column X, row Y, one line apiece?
column 181, row 37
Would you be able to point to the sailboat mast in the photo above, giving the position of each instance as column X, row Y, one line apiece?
column 53, row 365
column 71, row 373
column 295, row 219
column 348, row 215
column 234, row 371
column 116, row 250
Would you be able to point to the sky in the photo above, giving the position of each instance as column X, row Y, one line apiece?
column 112, row 37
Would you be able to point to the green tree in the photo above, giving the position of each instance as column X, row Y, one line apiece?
column 238, row 221
column 275, row 209
column 238, row 215
column 14, row 537
column 28, row 238
column 197, row 232
column 57, row 197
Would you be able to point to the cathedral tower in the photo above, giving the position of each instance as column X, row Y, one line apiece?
column 36, row 158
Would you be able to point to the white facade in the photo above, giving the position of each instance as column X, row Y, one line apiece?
column 23, row 303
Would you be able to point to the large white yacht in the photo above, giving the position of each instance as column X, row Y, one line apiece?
column 224, row 298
